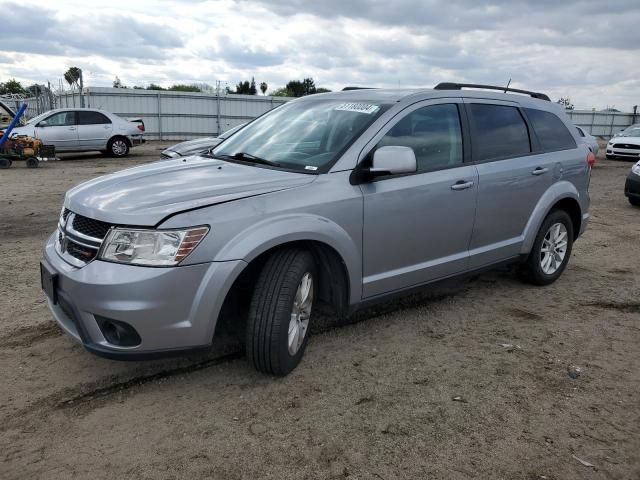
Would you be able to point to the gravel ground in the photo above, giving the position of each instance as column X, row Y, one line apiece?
column 464, row 381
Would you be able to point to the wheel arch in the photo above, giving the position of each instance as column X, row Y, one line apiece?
column 561, row 195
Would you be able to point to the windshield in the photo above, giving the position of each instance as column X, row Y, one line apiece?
column 631, row 132
column 304, row 135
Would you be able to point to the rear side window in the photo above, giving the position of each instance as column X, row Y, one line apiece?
column 552, row 133
column 92, row 118
column 500, row 132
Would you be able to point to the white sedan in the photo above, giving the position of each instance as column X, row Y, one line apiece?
column 590, row 140
column 84, row 129
column 625, row 144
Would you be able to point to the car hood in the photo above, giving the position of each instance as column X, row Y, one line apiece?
column 195, row 146
column 621, row 139
column 147, row 194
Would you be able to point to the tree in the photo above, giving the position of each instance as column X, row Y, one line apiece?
column 243, row 88
column 322, row 90
column 281, row 92
column 117, row 83
column 12, row 86
column 153, row 86
column 263, row 87
column 300, row 88
column 181, row 87
column 72, row 76
column 566, row 103
column 252, row 87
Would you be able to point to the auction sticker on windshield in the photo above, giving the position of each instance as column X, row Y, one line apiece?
column 358, row 107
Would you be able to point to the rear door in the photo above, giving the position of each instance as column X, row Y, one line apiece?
column 512, row 178
column 94, row 130
column 59, row 129
column 417, row 227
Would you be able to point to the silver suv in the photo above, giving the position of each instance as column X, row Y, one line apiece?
column 335, row 200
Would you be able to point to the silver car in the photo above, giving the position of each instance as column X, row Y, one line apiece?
column 84, row 129
column 589, row 140
column 197, row 145
column 339, row 200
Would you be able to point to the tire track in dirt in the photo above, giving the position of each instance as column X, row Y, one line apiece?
column 27, row 336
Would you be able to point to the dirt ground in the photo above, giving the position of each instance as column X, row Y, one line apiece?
column 470, row 381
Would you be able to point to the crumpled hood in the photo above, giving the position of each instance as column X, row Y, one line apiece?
column 197, row 145
column 147, row 194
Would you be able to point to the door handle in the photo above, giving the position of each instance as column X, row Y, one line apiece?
column 72, row 128
column 539, row 171
column 461, row 185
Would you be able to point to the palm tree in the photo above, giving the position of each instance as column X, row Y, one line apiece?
column 263, row 87
column 72, row 76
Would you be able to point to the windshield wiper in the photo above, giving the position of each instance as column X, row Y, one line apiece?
column 247, row 157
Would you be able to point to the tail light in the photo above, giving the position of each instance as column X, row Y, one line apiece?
column 141, row 127
column 591, row 159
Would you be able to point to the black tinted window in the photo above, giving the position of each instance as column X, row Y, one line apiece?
column 500, row 132
column 92, row 118
column 433, row 133
column 552, row 133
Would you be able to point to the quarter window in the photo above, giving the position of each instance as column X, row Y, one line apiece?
column 500, row 132
column 433, row 133
column 92, row 118
column 61, row 119
column 552, row 133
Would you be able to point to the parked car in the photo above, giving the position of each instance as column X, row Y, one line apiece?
column 85, row 129
column 6, row 115
column 198, row 145
column 625, row 144
column 589, row 140
column 341, row 199
column 632, row 185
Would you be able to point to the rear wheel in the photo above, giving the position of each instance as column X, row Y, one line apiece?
column 118, row 147
column 32, row 162
column 551, row 249
column 280, row 312
column 5, row 163
column 634, row 201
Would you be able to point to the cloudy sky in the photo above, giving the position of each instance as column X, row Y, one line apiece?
column 588, row 50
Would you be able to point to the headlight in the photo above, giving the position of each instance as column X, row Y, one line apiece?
column 636, row 168
column 159, row 248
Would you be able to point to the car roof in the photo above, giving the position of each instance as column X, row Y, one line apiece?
column 74, row 109
column 397, row 95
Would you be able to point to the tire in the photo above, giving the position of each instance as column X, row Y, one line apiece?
column 610, row 157
column 5, row 163
column 634, row 201
column 538, row 268
column 281, row 282
column 118, row 147
column 32, row 162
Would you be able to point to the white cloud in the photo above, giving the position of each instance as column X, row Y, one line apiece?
column 584, row 50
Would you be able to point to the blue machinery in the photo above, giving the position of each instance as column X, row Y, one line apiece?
column 15, row 120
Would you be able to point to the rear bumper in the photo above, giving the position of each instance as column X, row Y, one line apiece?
column 632, row 186
column 173, row 310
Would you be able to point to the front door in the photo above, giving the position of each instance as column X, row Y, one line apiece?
column 59, row 129
column 417, row 227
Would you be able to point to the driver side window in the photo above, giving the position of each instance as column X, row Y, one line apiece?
column 433, row 133
column 61, row 119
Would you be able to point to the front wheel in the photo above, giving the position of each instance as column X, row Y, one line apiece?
column 280, row 311
column 118, row 147
column 551, row 249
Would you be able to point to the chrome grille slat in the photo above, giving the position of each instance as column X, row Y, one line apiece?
column 80, row 238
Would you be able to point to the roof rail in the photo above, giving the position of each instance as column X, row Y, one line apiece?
column 460, row 86
column 346, row 89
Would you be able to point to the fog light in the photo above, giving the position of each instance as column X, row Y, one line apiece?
column 118, row 333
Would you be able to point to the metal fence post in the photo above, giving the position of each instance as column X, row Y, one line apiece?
column 159, row 118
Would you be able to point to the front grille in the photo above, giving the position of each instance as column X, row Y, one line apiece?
column 90, row 227
column 65, row 214
column 628, row 146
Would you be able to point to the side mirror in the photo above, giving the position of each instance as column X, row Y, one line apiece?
column 43, row 123
column 393, row 161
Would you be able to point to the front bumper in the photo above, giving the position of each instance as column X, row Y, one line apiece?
column 172, row 309
column 632, row 186
column 630, row 153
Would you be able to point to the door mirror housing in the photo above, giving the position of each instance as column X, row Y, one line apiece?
column 43, row 123
column 393, row 160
